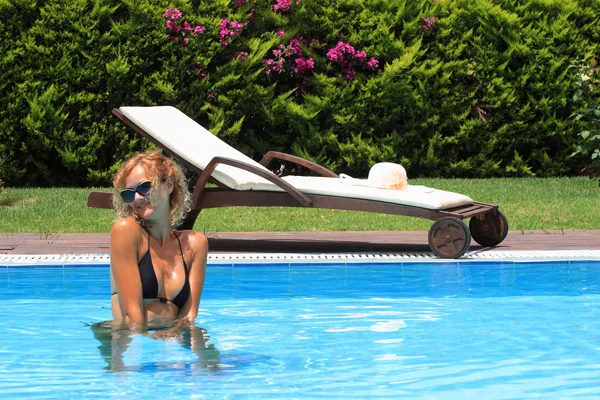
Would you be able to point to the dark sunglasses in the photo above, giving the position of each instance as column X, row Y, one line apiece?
column 143, row 188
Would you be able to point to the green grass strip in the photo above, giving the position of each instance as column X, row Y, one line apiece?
column 549, row 204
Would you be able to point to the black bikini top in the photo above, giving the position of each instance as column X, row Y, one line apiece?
column 150, row 283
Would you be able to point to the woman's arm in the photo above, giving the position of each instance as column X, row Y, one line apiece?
column 114, row 340
column 199, row 246
column 124, row 242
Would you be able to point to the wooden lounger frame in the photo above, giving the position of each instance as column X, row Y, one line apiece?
column 449, row 237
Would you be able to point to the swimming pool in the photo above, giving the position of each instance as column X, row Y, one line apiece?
column 494, row 330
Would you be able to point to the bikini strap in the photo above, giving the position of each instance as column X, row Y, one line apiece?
column 181, row 250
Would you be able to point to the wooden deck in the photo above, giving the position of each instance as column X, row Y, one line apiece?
column 300, row 242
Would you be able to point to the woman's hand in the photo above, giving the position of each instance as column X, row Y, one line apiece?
column 174, row 331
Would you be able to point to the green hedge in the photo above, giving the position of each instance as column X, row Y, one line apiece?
column 447, row 88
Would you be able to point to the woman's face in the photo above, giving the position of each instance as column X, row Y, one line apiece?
column 156, row 204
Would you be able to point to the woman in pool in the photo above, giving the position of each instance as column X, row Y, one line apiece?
column 156, row 273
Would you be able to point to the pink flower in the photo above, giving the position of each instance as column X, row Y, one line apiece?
column 347, row 57
column 428, row 23
column 197, row 68
column 303, row 65
column 223, row 24
column 282, row 5
column 173, row 13
column 360, row 56
column 242, row 55
column 277, row 67
column 272, row 65
column 280, row 33
column 198, row 30
column 178, row 30
column 345, row 48
column 229, row 29
column 172, row 26
column 236, row 26
column 337, row 54
column 334, row 54
column 350, row 74
column 294, row 46
column 373, row 63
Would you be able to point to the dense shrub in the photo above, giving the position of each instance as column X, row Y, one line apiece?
column 447, row 88
column 587, row 94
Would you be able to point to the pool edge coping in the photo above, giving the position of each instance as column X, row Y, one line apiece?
column 12, row 260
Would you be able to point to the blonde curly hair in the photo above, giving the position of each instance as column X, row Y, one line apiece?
column 159, row 168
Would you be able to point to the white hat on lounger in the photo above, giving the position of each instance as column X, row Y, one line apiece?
column 388, row 176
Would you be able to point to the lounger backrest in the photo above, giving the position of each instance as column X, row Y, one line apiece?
column 189, row 140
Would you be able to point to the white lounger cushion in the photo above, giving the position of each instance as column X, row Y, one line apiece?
column 412, row 195
column 190, row 141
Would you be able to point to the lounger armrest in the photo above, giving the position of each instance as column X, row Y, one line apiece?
column 298, row 160
column 205, row 176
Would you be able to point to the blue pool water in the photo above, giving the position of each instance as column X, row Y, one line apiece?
column 421, row 330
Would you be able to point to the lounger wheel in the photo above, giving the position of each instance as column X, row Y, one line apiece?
column 489, row 230
column 449, row 237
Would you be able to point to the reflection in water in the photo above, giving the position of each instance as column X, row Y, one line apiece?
column 115, row 338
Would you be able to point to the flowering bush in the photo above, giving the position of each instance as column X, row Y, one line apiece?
column 291, row 59
column 479, row 91
column 229, row 29
column 292, row 55
column 283, row 5
column 348, row 58
column 309, row 63
column 178, row 28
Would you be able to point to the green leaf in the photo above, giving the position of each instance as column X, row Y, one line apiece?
column 584, row 134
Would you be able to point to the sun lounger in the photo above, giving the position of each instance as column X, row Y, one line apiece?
column 241, row 181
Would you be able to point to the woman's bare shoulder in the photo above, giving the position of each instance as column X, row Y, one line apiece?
column 126, row 227
column 125, row 242
column 195, row 240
